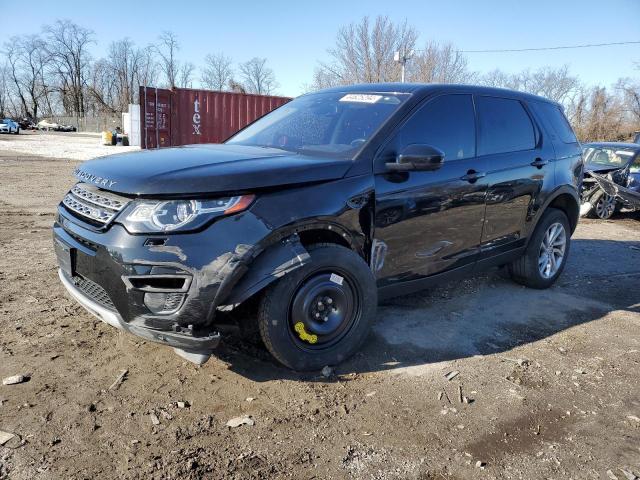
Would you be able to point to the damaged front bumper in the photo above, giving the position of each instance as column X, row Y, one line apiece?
column 194, row 349
column 167, row 288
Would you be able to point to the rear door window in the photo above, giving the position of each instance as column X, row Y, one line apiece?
column 504, row 126
column 447, row 123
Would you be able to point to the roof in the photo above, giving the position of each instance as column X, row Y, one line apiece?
column 631, row 146
column 426, row 88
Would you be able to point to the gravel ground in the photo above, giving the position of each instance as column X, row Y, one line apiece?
column 551, row 377
column 71, row 146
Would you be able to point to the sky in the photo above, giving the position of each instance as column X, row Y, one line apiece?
column 295, row 36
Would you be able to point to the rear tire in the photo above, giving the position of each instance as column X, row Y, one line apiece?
column 536, row 268
column 321, row 313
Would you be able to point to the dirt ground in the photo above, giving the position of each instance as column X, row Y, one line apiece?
column 551, row 377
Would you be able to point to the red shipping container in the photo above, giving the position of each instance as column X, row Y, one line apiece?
column 184, row 116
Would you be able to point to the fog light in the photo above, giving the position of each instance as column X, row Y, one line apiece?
column 163, row 303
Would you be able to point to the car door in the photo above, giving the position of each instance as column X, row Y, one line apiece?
column 431, row 221
column 519, row 167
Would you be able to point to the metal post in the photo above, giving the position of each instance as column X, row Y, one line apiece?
column 402, row 58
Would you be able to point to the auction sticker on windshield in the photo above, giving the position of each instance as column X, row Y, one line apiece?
column 360, row 98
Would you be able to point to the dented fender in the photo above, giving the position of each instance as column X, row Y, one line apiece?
column 272, row 264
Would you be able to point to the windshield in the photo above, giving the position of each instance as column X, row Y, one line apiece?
column 329, row 124
column 607, row 157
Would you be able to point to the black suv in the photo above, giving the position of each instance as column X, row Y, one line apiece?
column 318, row 209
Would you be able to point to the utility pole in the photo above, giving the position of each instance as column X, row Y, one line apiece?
column 402, row 58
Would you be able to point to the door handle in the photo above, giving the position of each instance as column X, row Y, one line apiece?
column 472, row 176
column 538, row 162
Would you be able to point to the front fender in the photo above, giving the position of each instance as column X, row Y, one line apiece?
column 276, row 261
column 335, row 212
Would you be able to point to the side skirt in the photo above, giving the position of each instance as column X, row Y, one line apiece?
column 411, row 286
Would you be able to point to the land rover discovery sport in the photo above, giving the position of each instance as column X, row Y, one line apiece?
column 318, row 209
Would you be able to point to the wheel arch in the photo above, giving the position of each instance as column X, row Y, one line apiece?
column 570, row 206
column 566, row 199
column 286, row 250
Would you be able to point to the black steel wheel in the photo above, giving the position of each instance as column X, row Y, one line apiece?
column 324, row 308
column 320, row 313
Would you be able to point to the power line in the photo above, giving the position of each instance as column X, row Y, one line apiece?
column 564, row 47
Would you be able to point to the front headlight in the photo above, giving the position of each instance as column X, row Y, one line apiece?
column 157, row 216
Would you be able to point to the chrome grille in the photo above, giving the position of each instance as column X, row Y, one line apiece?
column 90, row 202
column 93, row 291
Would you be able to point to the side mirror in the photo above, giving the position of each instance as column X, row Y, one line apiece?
column 417, row 157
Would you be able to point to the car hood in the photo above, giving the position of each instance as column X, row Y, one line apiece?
column 203, row 169
column 596, row 167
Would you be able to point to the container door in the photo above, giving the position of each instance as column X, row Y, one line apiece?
column 156, row 123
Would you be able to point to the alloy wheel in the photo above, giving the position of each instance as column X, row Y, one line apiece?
column 552, row 250
column 605, row 206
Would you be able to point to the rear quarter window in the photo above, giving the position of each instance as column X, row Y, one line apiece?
column 554, row 118
column 505, row 126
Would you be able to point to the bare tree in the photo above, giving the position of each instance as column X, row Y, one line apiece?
column 104, row 87
column 363, row 53
column 556, row 84
column 217, row 72
column 27, row 60
column 167, row 49
column 124, row 62
column 630, row 90
column 257, row 77
column 116, row 78
column 68, row 47
column 498, row 78
column 440, row 63
column 598, row 115
column 185, row 75
column 4, row 90
column 149, row 67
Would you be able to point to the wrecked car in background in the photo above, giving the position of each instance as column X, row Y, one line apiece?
column 611, row 180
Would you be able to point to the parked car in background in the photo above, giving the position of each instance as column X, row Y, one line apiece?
column 318, row 209
column 9, row 126
column 26, row 124
column 48, row 126
column 615, row 163
column 67, row 128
